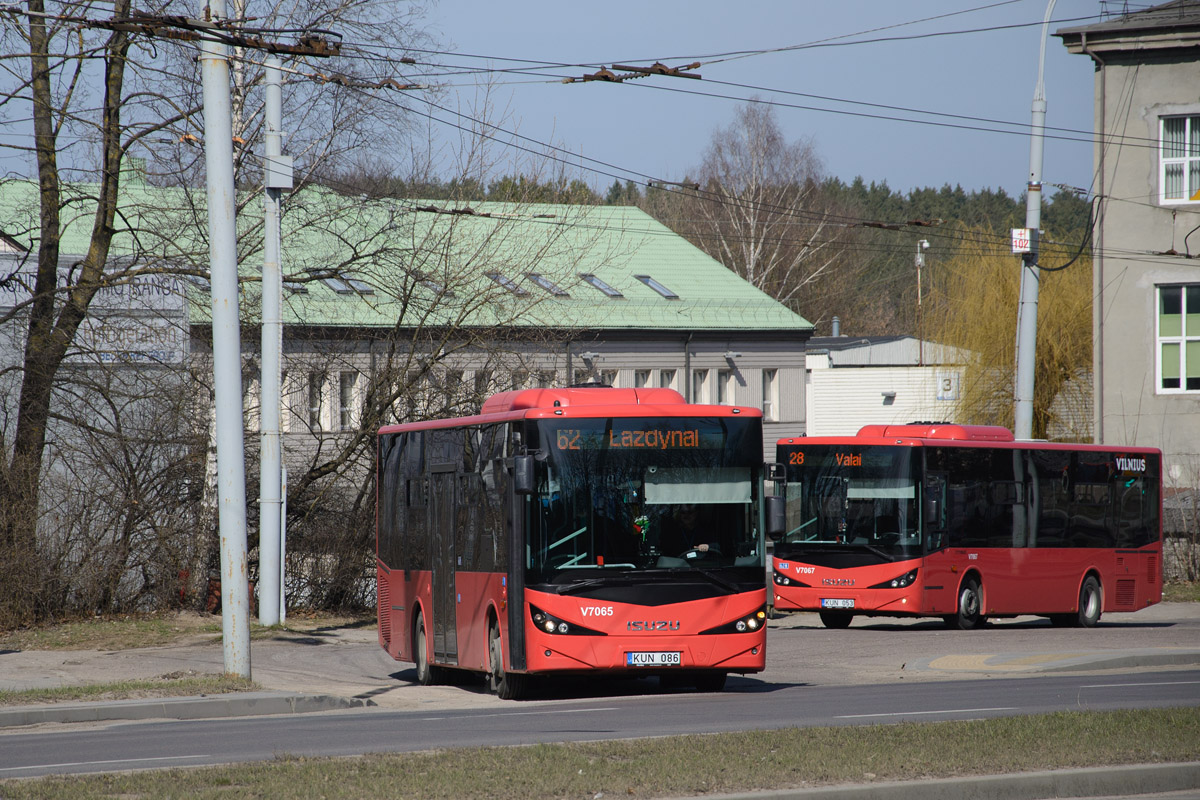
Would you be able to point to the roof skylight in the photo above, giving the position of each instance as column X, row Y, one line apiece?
column 547, row 284
column 506, row 282
column 599, row 284
column 658, row 287
column 344, row 284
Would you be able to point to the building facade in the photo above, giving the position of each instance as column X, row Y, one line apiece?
column 1146, row 301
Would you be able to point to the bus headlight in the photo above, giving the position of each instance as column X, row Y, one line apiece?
column 559, row 627
column 785, row 580
column 901, row 582
column 747, row 624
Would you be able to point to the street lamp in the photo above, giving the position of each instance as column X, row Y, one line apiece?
column 1027, row 310
column 922, row 246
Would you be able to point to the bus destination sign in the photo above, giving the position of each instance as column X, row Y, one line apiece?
column 652, row 439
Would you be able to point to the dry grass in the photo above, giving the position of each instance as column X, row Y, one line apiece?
column 1181, row 592
column 155, row 630
column 172, row 685
column 678, row 766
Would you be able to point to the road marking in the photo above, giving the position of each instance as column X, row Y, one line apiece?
column 915, row 713
column 1126, row 685
column 93, row 763
column 526, row 713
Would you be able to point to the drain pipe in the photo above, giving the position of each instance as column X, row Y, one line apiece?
column 687, row 367
column 1098, row 257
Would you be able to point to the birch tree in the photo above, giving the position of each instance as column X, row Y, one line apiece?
column 759, row 207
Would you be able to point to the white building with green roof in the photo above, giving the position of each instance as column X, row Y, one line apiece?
column 419, row 308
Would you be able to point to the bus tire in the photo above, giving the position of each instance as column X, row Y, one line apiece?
column 970, row 606
column 504, row 685
column 427, row 674
column 1091, row 603
column 835, row 619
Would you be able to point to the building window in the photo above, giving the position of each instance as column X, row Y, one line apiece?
column 666, row 378
column 316, row 389
column 770, row 394
column 641, row 378
column 1179, row 338
column 608, row 377
column 724, row 386
column 346, row 385
column 699, row 379
column 1179, row 160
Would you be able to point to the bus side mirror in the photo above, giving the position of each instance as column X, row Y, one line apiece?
column 933, row 514
column 523, row 474
column 776, row 516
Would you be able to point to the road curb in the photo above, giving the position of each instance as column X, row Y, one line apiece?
column 1099, row 782
column 239, row 704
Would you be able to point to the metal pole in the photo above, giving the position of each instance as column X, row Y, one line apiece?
column 1027, row 310
column 922, row 246
column 227, row 357
column 272, row 343
column 282, row 544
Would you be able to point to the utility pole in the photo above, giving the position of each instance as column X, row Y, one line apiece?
column 226, row 348
column 213, row 32
column 1028, row 309
column 277, row 176
column 922, row 246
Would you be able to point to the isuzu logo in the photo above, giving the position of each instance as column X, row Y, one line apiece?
column 652, row 625
column 837, row 581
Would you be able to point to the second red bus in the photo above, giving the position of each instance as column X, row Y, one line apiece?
column 966, row 523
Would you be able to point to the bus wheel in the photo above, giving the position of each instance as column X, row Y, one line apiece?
column 1091, row 603
column 970, row 607
column 427, row 674
column 835, row 619
column 504, row 685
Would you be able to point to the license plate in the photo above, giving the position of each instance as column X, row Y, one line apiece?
column 837, row 602
column 659, row 659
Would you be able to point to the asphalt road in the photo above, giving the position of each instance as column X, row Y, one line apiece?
column 745, row 705
column 875, row 671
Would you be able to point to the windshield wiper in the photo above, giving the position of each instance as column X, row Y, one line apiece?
column 573, row 588
column 713, row 578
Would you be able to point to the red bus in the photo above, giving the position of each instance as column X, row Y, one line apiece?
column 965, row 523
column 548, row 535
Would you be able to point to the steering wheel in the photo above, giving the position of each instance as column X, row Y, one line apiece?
column 696, row 552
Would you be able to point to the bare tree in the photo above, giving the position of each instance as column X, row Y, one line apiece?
column 437, row 335
column 759, row 208
column 95, row 97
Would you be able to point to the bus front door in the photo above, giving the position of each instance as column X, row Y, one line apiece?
column 445, row 631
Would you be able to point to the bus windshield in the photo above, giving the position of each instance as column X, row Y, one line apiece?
column 852, row 497
column 644, row 494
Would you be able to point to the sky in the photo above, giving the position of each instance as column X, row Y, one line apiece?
column 658, row 127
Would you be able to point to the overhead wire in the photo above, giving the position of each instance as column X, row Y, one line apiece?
column 624, row 173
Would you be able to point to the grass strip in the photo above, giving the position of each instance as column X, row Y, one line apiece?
column 677, row 766
column 109, row 633
column 166, row 686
